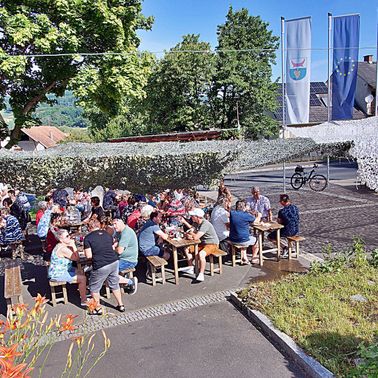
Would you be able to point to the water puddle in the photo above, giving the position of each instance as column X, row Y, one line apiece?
column 275, row 270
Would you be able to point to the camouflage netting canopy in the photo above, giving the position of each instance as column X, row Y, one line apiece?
column 142, row 167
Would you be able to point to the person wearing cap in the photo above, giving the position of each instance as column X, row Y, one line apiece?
column 240, row 221
column 127, row 248
column 220, row 219
column 288, row 216
column 150, row 237
column 208, row 237
column 259, row 204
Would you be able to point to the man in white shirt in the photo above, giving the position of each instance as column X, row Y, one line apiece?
column 259, row 204
column 220, row 219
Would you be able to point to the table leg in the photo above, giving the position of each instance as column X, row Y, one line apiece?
column 278, row 244
column 261, row 257
column 175, row 265
column 196, row 260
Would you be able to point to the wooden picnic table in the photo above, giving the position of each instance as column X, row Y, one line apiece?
column 175, row 244
column 268, row 227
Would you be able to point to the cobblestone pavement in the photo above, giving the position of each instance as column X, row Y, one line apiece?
column 211, row 340
column 334, row 216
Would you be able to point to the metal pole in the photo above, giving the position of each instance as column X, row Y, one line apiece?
column 329, row 60
column 283, row 94
column 327, row 170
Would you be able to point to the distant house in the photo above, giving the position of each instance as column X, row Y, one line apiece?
column 318, row 104
column 366, row 85
column 39, row 138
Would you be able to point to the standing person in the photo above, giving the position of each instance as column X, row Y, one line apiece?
column 98, row 246
column 240, row 221
column 127, row 249
column 208, row 237
column 259, row 204
column 61, row 269
column 220, row 219
column 288, row 216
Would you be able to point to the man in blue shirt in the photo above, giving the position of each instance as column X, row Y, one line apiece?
column 288, row 216
column 151, row 236
column 240, row 221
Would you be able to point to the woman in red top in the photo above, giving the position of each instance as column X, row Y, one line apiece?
column 42, row 206
column 51, row 240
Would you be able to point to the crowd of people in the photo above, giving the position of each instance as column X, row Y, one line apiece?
column 119, row 227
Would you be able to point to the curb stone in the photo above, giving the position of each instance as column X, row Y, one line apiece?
column 282, row 341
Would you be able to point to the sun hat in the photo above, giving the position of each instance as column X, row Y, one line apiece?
column 197, row 212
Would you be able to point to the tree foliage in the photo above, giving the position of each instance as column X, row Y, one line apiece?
column 178, row 87
column 242, row 85
column 29, row 29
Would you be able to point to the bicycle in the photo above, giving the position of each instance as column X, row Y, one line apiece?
column 316, row 182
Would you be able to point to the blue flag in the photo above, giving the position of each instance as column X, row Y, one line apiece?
column 346, row 37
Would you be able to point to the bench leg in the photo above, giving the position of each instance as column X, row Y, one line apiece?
column 9, row 307
column 163, row 274
column 53, row 296
column 289, row 249
column 211, row 258
column 233, row 256
column 65, row 296
column 220, row 264
column 153, row 274
column 297, row 249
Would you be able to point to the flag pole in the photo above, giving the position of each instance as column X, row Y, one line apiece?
column 283, row 94
column 329, row 72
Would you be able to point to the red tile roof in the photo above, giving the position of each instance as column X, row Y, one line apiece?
column 48, row 136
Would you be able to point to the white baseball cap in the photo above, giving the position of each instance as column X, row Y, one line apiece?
column 197, row 212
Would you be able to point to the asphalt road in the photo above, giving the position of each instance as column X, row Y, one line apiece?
column 273, row 177
column 208, row 341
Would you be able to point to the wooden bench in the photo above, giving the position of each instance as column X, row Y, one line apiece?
column 53, row 286
column 235, row 248
column 294, row 239
column 218, row 253
column 154, row 263
column 12, row 287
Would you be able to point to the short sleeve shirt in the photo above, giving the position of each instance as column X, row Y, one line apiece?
column 219, row 218
column 128, row 240
column 146, row 236
column 289, row 216
column 239, row 226
column 101, row 244
column 210, row 236
column 262, row 205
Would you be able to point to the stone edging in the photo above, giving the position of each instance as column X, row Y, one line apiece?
column 282, row 341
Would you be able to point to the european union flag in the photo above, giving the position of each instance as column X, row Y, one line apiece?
column 346, row 37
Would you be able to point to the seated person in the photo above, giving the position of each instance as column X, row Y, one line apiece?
column 259, row 204
column 288, row 216
column 98, row 246
column 150, row 237
column 208, row 237
column 97, row 210
column 240, row 221
column 220, row 219
column 127, row 248
column 10, row 230
column 42, row 207
column 61, row 268
column 51, row 240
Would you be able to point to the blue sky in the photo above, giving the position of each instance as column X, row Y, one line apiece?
column 175, row 18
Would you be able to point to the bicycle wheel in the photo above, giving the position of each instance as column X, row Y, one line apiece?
column 296, row 181
column 318, row 183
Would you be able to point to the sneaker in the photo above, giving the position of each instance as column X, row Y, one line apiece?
column 188, row 269
column 200, row 277
column 148, row 275
column 132, row 289
column 285, row 252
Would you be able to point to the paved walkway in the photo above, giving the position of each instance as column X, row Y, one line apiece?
column 214, row 340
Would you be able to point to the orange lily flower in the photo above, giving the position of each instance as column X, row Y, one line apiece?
column 9, row 353
column 67, row 326
column 9, row 370
column 91, row 304
column 39, row 301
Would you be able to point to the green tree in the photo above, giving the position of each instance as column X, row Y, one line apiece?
column 179, row 85
column 242, row 84
column 31, row 28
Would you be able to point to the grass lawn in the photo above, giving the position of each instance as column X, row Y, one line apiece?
column 317, row 311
